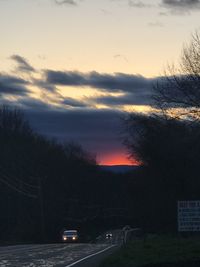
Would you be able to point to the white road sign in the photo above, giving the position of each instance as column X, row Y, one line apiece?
column 189, row 216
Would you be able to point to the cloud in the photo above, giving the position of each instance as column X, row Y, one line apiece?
column 142, row 97
column 134, row 89
column 45, row 85
column 32, row 104
column 11, row 85
column 22, row 64
column 138, row 4
column 184, row 5
column 73, row 103
column 68, row 78
column 66, row 2
column 119, row 56
column 106, row 82
column 96, row 130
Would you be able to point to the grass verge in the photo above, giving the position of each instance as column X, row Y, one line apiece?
column 157, row 252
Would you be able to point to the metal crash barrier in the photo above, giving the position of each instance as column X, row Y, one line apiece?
column 130, row 234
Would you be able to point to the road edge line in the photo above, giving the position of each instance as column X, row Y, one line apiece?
column 89, row 256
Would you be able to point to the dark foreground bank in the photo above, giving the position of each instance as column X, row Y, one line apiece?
column 157, row 251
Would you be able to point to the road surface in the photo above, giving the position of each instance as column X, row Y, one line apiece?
column 55, row 255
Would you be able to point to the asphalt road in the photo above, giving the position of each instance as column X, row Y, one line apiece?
column 55, row 255
column 95, row 260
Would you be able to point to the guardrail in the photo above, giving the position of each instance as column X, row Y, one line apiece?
column 131, row 234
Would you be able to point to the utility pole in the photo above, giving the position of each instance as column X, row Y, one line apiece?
column 42, row 216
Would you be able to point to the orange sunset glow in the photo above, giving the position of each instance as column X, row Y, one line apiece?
column 116, row 159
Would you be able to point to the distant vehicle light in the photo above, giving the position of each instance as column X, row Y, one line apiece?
column 74, row 238
column 109, row 235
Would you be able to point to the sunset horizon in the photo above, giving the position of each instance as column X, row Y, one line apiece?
column 99, row 133
column 76, row 76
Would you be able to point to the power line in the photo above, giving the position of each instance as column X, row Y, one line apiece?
column 19, row 180
column 9, row 182
column 17, row 189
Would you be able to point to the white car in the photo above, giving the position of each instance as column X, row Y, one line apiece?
column 70, row 236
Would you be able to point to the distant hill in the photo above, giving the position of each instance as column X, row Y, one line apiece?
column 118, row 168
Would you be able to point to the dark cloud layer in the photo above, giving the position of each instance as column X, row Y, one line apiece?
column 136, row 89
column 182, row 5
column 11, row 85
column 44, row 85
column 106, row 82
column 65, row 78
column 137, row 98
column 73, row 103
column 32, row 104
column 186, row 3
column 97, row 130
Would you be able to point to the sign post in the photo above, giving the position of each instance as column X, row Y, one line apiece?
column 189, row 216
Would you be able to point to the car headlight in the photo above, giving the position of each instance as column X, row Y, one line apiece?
column 74, row 238
column 64, row 238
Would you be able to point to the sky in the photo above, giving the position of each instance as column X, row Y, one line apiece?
column 76, row 66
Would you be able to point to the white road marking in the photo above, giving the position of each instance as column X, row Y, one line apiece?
column 89, row 256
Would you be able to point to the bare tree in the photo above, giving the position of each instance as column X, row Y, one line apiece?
column 75, row 152
column 12, row 120
column 178, row 91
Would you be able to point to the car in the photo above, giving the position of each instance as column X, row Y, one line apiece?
column 109, row 235
column 70, row 236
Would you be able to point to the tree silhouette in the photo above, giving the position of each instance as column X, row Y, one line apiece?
column 167, row 142
column 177, row 94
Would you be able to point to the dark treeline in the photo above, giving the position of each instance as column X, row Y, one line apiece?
column 170, row 152
column 167, row 142
column 46, row 187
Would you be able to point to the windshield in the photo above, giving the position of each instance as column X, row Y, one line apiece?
column 70, row 233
